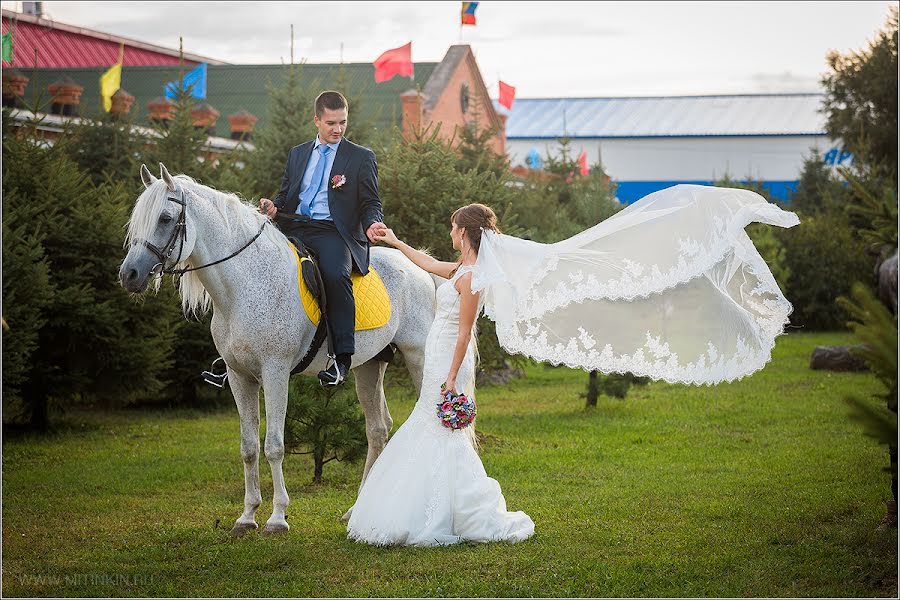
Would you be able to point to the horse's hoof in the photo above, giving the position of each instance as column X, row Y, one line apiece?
column 240, row 529
column 275, row 529
column 346, row 516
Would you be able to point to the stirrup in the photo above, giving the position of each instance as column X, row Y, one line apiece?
column 217, row 380
column 329, row 362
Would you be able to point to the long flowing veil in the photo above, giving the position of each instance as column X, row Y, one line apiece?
column 671, row 288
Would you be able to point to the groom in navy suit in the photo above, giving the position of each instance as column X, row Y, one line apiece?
column 329, row 200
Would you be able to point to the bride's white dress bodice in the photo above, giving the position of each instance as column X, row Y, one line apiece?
column 429, row 487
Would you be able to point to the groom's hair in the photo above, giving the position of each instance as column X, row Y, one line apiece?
column 331, row 101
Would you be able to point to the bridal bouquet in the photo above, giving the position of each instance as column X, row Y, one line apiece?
column 455, row 411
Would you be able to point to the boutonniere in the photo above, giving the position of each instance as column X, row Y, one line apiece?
column 337, row 181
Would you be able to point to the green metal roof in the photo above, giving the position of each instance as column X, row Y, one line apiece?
column 231, row 88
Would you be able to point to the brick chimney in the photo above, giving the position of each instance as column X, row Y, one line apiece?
column 242, row 123
column 413, row 109
column 162, row 110
column 14, row 84
column 66, row 96
column 121, row 103
column 204, row 117
column 501, row 135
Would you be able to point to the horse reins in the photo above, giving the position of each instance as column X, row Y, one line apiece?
column 179, row 235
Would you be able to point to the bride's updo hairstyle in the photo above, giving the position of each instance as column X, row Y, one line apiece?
column 473, row 218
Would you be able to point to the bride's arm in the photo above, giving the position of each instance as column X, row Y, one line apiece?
column 429, row 263
column 468, row 310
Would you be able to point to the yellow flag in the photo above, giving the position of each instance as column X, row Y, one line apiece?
column 110, row 82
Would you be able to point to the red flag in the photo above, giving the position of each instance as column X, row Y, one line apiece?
column 582, row 162
column 507, row 95
column 396, row 61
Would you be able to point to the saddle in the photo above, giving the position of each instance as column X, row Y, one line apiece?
column 373, row 309
column 373, row 305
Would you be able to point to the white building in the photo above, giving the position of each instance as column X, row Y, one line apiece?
column 650, row 143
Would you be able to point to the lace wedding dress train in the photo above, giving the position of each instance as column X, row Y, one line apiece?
column 670, row 287
column 428, row 486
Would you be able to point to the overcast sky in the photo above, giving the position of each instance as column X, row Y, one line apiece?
column 542, row 48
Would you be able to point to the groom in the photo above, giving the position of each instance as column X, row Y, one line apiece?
column 329, row 200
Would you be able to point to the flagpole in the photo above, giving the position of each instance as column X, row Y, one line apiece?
column 181, row 63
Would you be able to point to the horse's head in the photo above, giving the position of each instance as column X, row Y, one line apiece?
column 158, row 237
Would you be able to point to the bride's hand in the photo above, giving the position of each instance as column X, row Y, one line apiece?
column 387, row 236
column 449, row 386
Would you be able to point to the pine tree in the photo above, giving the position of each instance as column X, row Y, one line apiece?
column 876, row 329
column 180, row 146
column 291, row 107
column 106, row 147
column 818, row 190
column 26, row 293
column 325, row 422
column 93, row 343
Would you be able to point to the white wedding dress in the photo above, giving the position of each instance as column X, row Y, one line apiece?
column 428, row 486
column 671, row 288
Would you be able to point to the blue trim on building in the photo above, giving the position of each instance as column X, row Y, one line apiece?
column 674, row 135
column 631, row 191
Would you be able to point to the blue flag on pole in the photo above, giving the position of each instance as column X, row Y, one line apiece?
column 195, row 79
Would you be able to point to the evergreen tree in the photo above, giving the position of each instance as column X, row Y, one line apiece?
column 558, row 202
column 327, row 423
column 106, row 147
column 291, row 108
column 876, row 329
column 818, row 190
column 421, row 185
column 824, row 257
column 92, row 344
column 26, row 293
column 183, row 148
column 360, row 127
column 180, row 146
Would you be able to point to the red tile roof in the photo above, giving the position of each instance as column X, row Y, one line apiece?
column 61, row 46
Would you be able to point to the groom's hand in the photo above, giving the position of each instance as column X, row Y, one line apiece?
column 375, row 229
column 267, row 207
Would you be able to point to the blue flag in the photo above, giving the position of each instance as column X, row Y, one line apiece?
column 195, row 78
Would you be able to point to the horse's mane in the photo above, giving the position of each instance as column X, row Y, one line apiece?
column 195, row 301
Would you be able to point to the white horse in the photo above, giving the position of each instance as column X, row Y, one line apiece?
column 258, row 324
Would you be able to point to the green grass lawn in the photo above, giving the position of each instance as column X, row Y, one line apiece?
column 762, row 487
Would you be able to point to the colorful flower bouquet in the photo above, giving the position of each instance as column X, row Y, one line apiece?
column 455, row 411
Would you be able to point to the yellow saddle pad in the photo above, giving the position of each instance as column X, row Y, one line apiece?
column 373, row 306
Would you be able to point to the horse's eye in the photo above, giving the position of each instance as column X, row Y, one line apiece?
column 164, row 218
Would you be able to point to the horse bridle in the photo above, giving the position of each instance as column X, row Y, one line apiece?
column 179, row 235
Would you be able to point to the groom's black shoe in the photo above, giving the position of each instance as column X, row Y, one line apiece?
column 336, row 374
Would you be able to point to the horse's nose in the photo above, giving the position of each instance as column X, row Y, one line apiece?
column 128, row 277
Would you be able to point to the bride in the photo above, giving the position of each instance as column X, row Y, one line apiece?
column 670, row 288
column 428, row 486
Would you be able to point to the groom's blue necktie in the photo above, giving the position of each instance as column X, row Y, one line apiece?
column 315, row 183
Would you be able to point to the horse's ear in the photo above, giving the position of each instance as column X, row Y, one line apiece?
column 164, row 174
column 147, row 177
